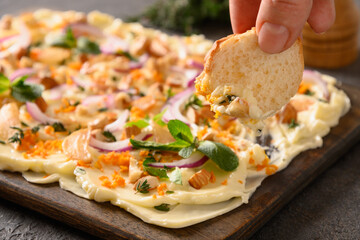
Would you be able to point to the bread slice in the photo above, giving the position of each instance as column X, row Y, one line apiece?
column 241, row 80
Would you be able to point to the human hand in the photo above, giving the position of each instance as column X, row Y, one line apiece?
column 279, row 22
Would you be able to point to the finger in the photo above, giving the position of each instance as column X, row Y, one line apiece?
column 322, row 15
column 280, row 22
column 243, row 14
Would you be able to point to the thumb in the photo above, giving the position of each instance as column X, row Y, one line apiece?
column 279, row 23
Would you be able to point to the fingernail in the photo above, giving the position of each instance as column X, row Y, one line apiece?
column 273, row 37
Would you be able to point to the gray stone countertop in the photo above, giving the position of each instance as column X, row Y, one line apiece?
column 328, row 208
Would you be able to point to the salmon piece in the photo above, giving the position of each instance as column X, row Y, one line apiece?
column 144, row 103
column 301, row 104
column 287, row 114
column 9, row 117
column 76, row 145
column 200, row 179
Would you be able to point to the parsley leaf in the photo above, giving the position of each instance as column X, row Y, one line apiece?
column 104, row 109
column 110, row 137
column 143, row 187
column 139, row 123
column 169, row 192
column 2, row 142
column 36, row 129
column 222, row 155
column 17, row 136
column 67, row 40
column 163, row 207
column 193, row 102
column 4, row 83
column 84, row 45
column 293, row 124
column 180, row 131
column 25, row 92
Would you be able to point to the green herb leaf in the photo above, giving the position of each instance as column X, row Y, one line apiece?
column 24, row 124
column 110, row 137
column 143, row 187
column 25, row 92
column 174, row 146
column 163, row 207
column 17, row 136
column 175, row 176
column 193, row 102
column 186, row 152
column 169, row 192
column 222, row 155
column 2, row 142
column 35, row 129
column 149, row 159
column 157, row 172
column 58, row 127
column 4, row 83
column 309, row 93
column 158, row 118
column 293, row 124
column 126, row 54
column 169, row 93
column 67, row 40
column 139, row 123
column 104, row 109
column 180, row 131
column 84, row 45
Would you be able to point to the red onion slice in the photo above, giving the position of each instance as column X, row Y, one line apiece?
column 173, row 107
column 119, row 123
column 195, row 160
column 314, row 77
column 118, row 146
column 82, row 81
column 4, row 39
column 140, row 63
column 195, row 64
column 101, row 100
column 21, row 72
column 23, row 40
column 38, row 115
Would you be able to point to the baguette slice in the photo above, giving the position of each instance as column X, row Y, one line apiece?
column 241, row 80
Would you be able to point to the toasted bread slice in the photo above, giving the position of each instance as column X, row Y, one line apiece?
column 241, row 80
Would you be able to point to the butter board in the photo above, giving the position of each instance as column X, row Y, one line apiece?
column 107, row 221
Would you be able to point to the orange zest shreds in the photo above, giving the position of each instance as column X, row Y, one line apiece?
column 98, row 165
column 224, row 182
column 49, row 130
column 212, row 177
column 241, row 182
column 116, row 159
column 28, row 140
column 201, row 133
column 269, row 168
column 154, row 196
column 226, row 139
column 65, row 107
column 136, row 74
column 303, row 87
column 44, row 149
column 124, row 168
column 144, row 153
column 136, row 113
column 74, row 65
column 161, row 189
column 81, row 163
column 117, row 181
column 27, row 116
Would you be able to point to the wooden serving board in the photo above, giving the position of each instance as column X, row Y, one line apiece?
column 107, row 221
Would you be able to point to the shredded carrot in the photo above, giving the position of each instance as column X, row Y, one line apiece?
column 116, row 159
column 161, row 189
column 44, row 149
column 81, row 163
column 201, row 133
column 269, row 168
column 65, row 107
column 27, row 116
column 28, row 140
column 303, row 87
column 136, row 113
column 74, row 65
column 136, row 74
column 154, row 196
column 117, row 181
column 46, row 176
column 144, row 153
column 241, row 182
column 224, row 182
column 49, row 130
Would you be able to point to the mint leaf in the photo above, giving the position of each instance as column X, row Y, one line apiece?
column 157, row 172
column 66, row 41
column 222, row 155
column 84, row 45
column 110, row 137
column 149, row 159
column 187, row 151
column 4, row 83
column 174, row 146
column 25, row 92
column 175, row 176
column 58, row 127
column 139, row 123
column 180, row 131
